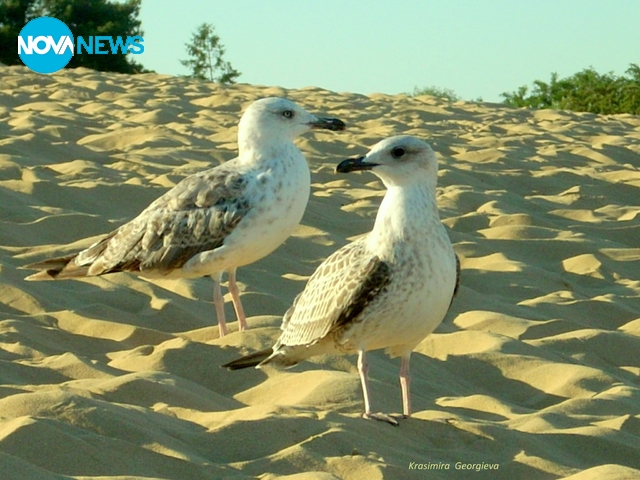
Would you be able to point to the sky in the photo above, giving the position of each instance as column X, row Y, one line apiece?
column 477, row 48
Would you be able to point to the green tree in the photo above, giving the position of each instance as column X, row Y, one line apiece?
column 206, row 52
column 14, row 14
column 585, row 91
column 98, row 17
column 84, row 18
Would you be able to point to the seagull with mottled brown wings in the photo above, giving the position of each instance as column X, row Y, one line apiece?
column 217, row 220
column 387, row 290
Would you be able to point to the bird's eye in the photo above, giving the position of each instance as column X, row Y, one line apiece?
column 287, row 114
column 397, row 152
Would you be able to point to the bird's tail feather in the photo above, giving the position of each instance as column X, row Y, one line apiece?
column 251, row 360
column 65, row 267
column 56, row 268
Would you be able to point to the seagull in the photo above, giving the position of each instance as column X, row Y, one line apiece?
column 217, row 220
column 388, row 289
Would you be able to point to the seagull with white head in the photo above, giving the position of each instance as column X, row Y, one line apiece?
column 387, row 290
column 217, row 220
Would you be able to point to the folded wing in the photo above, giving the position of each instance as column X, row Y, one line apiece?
column 195, row 216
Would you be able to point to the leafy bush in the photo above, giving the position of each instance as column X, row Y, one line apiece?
column 585, row 91
column 443, row 93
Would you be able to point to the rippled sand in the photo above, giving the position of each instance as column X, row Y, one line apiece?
column 535, row 370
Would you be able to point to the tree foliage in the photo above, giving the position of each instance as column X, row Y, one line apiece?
column 14, row 14
column 206, row 52
column 84, row 18
column 585, row 91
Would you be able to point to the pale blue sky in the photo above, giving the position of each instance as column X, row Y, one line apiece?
column 477, row 48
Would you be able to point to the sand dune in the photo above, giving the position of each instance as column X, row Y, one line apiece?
column 534, row 372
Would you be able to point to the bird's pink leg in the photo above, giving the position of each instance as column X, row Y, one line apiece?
column 218, row 300
column 363, row 369
column 235, row 298
column 405, row 381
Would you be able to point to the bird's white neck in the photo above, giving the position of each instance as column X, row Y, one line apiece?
column 405, row 212
column 254, row 147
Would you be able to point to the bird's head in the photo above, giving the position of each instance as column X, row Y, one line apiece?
column 277, row 119
column 398, row 160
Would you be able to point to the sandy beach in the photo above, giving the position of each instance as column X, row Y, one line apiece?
column 535, row 372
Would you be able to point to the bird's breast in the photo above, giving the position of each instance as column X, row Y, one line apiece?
column 280, row 197
column 416, row 300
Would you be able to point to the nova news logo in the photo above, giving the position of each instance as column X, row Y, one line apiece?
column 46, row 45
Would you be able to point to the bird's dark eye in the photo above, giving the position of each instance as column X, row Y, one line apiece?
column 287, row 114
column 397, row 152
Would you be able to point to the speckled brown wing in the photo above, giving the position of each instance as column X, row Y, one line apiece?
column 335, row 295
column 457, row 286
column 193, row 217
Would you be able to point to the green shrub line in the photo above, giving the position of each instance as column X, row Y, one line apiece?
column 585, row 91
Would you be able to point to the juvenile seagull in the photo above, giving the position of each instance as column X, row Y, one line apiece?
column 388, row 289
column 217, row 220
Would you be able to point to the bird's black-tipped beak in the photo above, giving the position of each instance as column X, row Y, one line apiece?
column 354, row 164
column 333, row 124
